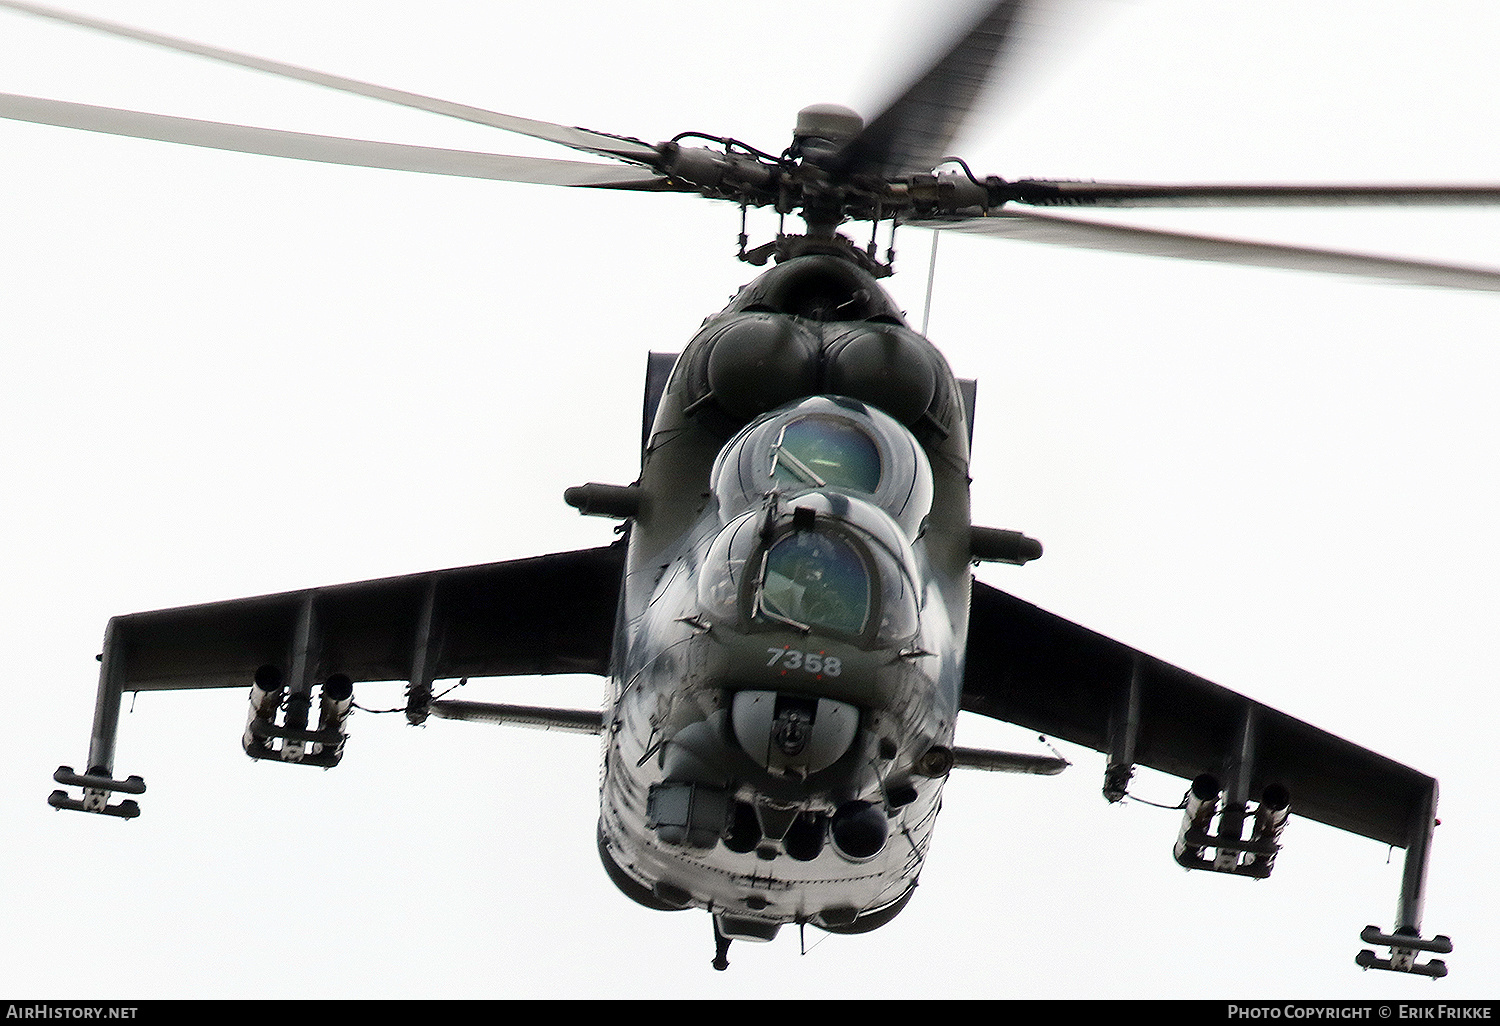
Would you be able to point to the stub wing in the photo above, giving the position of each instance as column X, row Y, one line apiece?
column 1250, row 764
column 548, row 614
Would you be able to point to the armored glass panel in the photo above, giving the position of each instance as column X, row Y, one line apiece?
column 819, row 451
column 818, row 581
column 723, row 568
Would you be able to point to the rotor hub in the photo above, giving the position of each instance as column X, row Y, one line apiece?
column 827, row 121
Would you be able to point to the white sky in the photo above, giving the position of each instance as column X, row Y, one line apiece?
column 227, row 375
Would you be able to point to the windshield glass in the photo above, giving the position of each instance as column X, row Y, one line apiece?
column 817, row 580
column 821, row 451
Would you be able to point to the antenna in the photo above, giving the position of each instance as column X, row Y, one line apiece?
column 931, row 273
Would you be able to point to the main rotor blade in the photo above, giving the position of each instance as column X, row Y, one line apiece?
column 330, row 149
column 1066, row 231
column 633, row 150
column 913, row 133
column 1036, row 192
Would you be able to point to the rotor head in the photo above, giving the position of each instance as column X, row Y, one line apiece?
column 828, row 122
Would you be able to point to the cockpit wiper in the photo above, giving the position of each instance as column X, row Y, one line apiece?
column 802, row 470
column 762, row 609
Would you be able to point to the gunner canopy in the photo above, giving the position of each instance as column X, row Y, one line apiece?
column 818, row 581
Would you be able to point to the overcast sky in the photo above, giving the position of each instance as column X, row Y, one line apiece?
column 227, row 375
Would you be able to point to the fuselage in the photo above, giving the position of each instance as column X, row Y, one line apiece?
column 787, row 666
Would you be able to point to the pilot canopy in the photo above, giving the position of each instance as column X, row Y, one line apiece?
column 831, row 445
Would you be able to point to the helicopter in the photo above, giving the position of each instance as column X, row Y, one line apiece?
column 626, row 501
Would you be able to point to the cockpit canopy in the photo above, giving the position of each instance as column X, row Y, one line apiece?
column 822, row 563
column 826, row 444
column 815, row 580
column 820, row 451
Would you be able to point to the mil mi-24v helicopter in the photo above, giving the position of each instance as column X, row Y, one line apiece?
column 789, row 626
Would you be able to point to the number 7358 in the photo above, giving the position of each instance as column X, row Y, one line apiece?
column 808, row 662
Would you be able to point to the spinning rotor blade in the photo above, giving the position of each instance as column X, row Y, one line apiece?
column 1065, row 231
column 575, row 138
column 329, row 149
column 1132, row 194
column 910, row 137
column 913, row 133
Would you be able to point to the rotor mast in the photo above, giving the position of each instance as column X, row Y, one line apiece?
column 822, row 132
